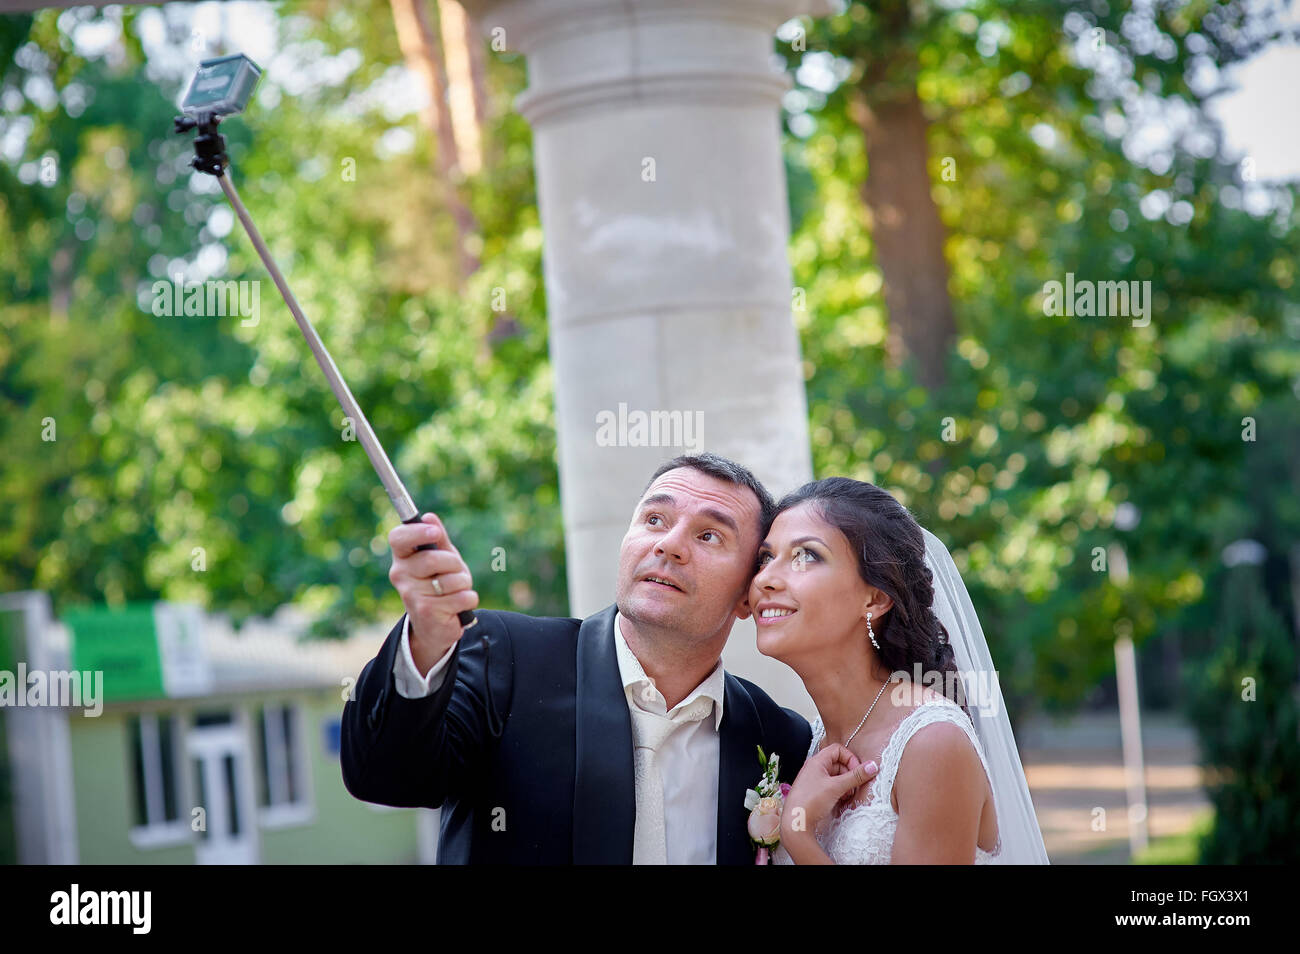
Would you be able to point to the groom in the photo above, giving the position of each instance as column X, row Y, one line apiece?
column 616, row 739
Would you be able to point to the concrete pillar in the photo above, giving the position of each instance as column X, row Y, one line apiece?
column 663, row 203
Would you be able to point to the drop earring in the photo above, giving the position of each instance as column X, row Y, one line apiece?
column 871, row 634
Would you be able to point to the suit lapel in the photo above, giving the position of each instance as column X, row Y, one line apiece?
column 738, row 769
column 604, row 793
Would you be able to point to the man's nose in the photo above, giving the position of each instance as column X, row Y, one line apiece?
column 672, row 544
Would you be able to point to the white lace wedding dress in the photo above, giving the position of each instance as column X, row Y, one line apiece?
column 864, row 834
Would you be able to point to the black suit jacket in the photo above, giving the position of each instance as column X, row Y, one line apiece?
column 527, row 745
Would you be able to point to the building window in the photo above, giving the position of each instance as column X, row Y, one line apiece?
column 284, row 769
column 155, row 761
column 333, row 728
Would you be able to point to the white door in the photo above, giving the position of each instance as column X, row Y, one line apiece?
column 223, row 788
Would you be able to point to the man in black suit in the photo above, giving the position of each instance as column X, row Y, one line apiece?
column 610, row 740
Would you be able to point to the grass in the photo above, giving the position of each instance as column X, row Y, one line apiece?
column 1181, row 849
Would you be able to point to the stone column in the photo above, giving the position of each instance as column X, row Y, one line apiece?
column 663, row 203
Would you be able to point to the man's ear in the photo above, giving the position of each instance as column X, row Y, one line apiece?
column 742, row 608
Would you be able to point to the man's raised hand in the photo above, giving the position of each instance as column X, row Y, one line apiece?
column 435, row 586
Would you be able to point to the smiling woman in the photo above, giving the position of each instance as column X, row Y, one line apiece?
column 853, row 551
column 844, row 594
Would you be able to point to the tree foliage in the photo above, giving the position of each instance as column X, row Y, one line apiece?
column 1056, row 439
column 1247, row 711
column 204, row 458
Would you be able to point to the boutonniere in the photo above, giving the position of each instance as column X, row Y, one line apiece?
column 764, row 803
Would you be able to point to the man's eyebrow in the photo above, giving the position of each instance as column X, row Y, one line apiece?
column 711, row 512
column 714, row 513
column 659, row 498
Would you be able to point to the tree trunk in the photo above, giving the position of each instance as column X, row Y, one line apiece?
column 460, row 44
column 62, row 274
column 423, row 56
column 906, row 228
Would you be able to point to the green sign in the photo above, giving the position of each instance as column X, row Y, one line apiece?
column 121, row 643
column 12, row 639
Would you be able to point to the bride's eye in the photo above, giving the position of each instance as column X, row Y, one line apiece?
column 801, row 557
column 763, row 560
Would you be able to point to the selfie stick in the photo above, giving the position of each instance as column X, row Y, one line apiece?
column 222, row 86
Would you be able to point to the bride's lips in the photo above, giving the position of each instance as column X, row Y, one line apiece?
column 768, row 621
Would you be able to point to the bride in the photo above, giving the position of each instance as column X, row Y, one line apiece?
column 853, row 595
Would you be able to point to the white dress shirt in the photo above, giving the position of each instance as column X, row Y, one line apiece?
column 410, row 684
column 687, row 760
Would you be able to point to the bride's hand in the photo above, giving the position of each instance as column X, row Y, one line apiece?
column 827, row 779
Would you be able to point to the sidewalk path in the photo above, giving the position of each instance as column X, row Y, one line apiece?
column 1073, row 768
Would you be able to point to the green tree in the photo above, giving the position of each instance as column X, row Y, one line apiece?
column 1245, row 702
column 1043, row 439
column 203, row 458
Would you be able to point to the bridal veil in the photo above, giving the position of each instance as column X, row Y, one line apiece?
column 1022, row 842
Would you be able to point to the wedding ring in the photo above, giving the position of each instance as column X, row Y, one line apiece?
column 437, row 585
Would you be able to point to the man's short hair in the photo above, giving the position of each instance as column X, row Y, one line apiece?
column 725, row 470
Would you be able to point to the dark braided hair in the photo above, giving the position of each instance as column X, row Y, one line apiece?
column 891, row 557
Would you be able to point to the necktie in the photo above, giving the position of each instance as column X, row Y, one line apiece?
column 649, row 732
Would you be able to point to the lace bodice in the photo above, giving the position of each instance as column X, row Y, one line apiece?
column 864, row 834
